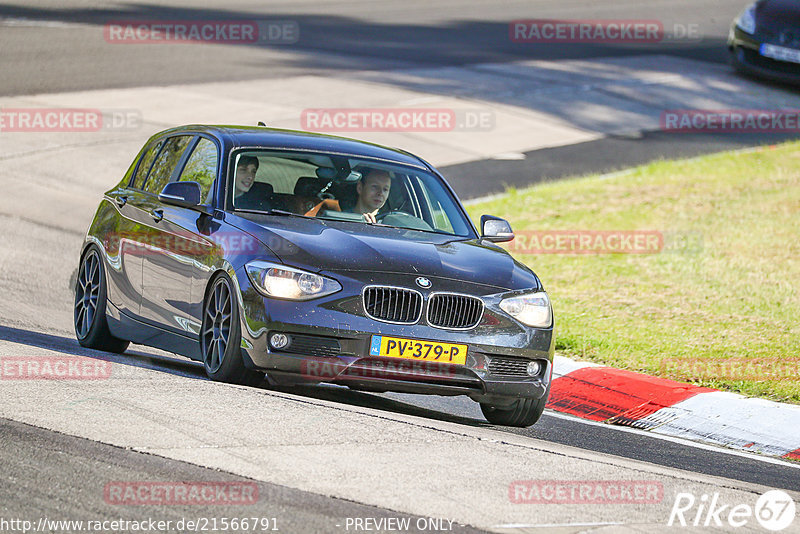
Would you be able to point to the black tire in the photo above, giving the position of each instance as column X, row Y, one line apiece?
column 89, row 310
column 522, row 413
column 736, row 57
column 221, row 336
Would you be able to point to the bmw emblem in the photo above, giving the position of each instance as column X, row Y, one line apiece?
column 423, row 282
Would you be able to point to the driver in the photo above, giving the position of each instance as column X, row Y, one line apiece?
column 373, row 190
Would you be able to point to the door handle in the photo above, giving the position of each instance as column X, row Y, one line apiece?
column 122, row 200
column 157, row 215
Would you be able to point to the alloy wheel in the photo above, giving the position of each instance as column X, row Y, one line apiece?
column 217, row 325
column 87, row 293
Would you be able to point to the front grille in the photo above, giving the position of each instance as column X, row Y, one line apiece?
column 325, row 347
column 784, row 37
column 450, row 310
column 508, row 366
column 393, row 304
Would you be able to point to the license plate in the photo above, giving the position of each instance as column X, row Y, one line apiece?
column 414, row 349
column 780, row 53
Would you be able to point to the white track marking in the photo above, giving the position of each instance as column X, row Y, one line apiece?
column 735, row 421
column 19, row 22
column 679, row 441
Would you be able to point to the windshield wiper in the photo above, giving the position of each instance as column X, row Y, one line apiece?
column 287, row 213
column 272, row 212
column 381, row 225
column 431, row 231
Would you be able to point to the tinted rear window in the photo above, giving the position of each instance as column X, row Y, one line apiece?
column 202, row 167
column 166, row 162
column 145, row 163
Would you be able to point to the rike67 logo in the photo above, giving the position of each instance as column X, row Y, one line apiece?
column 774, row 510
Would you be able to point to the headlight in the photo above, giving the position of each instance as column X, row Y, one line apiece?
column 282, row 282
column 747, row 20
column 532, row 309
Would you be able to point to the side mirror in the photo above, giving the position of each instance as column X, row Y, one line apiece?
column 495, row 229
column 183, row 194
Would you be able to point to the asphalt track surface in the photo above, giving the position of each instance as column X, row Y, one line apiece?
column 50, row 53
column 552, row 427
column 55, row 48
column 606, row 155
column 41, row 488
column 54, row 51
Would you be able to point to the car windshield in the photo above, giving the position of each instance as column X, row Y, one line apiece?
column 344, row 188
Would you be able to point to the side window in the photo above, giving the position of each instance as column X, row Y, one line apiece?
column 202, row 167
column 165, row 163
column 441, row 219
column 145, row 163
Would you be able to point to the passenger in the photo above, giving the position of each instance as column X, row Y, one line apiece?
column 373, row 190
column 245, row 175
column 245, row 196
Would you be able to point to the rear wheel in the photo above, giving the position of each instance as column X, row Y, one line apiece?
column 221, row 336
column 89, row 312
column 522, row 413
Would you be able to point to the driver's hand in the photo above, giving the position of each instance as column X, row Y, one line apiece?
column 370, row 218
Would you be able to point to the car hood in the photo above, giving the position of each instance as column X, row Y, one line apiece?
column 333, row 246
column 783, row 12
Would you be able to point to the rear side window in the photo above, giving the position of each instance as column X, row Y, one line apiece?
column 202, row 167
column 166, row 162
column 145, row 164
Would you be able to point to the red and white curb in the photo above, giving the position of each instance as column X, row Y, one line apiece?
column 675, row 409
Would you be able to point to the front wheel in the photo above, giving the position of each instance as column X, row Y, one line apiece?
column 89, row 312
column 221, row 336
column 522, row 413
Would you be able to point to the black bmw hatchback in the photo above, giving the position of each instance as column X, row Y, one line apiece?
column 312, row 258
column 765, row 40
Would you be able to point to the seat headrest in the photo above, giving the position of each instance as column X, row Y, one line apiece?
column 262, row 189
column 307, row 186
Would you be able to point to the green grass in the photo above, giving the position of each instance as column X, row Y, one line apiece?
column 730, row 294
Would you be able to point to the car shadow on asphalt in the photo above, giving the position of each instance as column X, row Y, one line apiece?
column 133, row 357
column 343, row 395
column 179, row 366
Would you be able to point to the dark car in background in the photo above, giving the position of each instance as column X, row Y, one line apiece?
column 764, row 40
column 244, row 248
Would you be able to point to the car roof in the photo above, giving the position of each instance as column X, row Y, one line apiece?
column 275, row 138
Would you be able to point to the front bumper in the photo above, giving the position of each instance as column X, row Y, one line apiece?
column 406, row 376
column 331, row 337
column 746, row 57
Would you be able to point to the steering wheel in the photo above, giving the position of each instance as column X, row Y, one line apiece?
column 403, row 219
column 382, row 216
